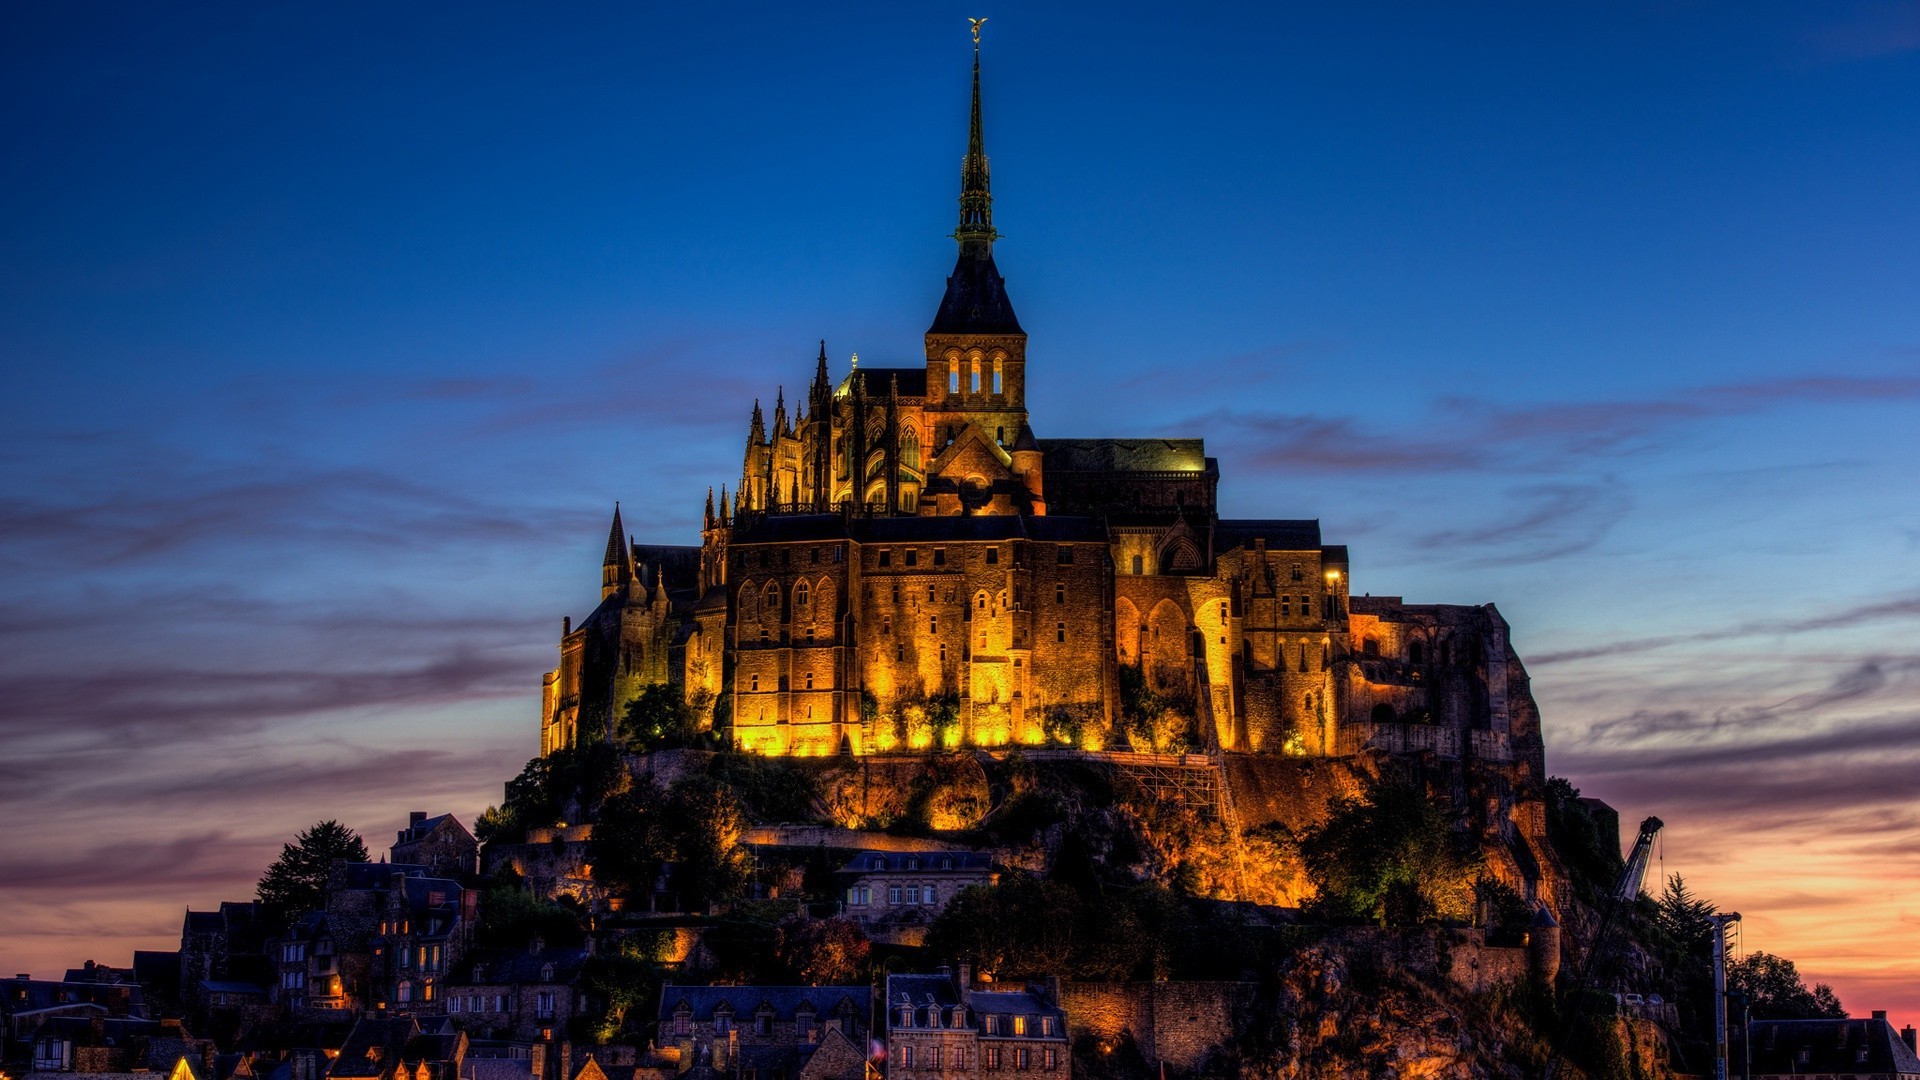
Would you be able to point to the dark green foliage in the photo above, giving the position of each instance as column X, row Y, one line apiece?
column 695, row 826
column 512, row 917
column 1503, row 912
column 296, row 883
column 661, row 719
column 817, row 952
column 625, row 987
column 1775, row 990
column 1589, row 849
column 1074, row 926
column 579, row 777
column 1064, row 725
column 772, row 790
column 743, row 946
column 1390, row 857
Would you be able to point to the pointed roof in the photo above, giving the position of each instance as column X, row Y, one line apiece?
column 976, row 298
column 820, row 371
column 616, row 542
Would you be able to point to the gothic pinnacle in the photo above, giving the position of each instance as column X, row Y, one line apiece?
column 975, row 233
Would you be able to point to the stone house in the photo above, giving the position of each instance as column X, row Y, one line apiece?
column 388, row 936
column 1832, row 1048
column 523, row 995
column 895, row 895
column 945, row 1025
column 27, row 1004
column 767, row 1032
column 401, row 1048
column 225, row 945
column 441, row 844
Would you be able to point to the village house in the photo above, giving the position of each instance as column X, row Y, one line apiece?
column 441, row 844
column 98, row 1046
column 1832, row 1048
column 946, row 1025
column 386, row 939
column 401, row 1048
column 767, row 1032
column 522, row 995
column 895, row 895
column 27, row 1004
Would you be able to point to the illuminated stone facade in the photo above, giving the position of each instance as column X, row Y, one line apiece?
column 905, row 565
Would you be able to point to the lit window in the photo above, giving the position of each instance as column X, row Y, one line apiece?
column 1019, row 1025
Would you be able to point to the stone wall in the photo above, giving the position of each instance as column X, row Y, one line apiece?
column 1179, row 1024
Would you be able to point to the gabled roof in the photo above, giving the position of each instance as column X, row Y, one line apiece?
column 1833, row 1047
column 518, row 967
column 1280, row 534
column 1124, row 455
column 933, row 862
column 744, row 1001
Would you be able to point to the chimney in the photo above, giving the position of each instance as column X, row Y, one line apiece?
column 537, row 1061
column 415, row 817
column 1879, row 1014
column 566, row 1062
column 1907, row 1036
column 966, row 975
column 171, row 1025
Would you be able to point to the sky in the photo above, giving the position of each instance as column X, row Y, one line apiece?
column 331, row 334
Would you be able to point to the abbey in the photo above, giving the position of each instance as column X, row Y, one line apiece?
column 906, row 565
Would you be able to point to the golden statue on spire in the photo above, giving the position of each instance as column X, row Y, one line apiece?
column 976, row 29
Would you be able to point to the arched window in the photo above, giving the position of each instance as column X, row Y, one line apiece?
column 909, row 450
column 1416, row 654
column 771, row 598
column 801, row 595
column 1383, row 713
column 1370, row 647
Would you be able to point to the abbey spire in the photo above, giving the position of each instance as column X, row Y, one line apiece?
column 616, row 569
column 976, row 300
column 975, row 231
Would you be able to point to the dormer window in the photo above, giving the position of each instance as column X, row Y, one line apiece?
column 546, row 973
column 933, row 1016
column 906, row 1016
column 913, row 862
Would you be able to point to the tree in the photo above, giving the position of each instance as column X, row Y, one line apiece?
column 1390, row 856
column 822, row 951
column 695, row 827
column 659, row 719
column 1775, row 990
column 296, row 883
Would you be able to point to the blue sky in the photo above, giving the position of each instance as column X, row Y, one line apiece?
column 331, row 334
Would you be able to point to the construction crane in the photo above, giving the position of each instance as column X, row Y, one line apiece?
column 1633, row 878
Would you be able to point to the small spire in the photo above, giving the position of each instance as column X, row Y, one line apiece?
column 616, row 554
column 976, row 233
column 660, row 581
column 757, row 430
column 708, row 518
column 820, row 370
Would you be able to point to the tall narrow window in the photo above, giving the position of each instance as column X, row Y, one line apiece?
column 996, row 376
column 976, row 376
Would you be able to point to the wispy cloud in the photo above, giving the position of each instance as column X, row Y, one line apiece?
column 1900, row 607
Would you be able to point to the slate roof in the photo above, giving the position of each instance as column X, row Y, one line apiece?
column 798, row 528
column 518, row 967
column 976, row 300
column 745, row 1001
column 1124, row 455
column 372, row 875
column 1832, row 1047
column 114, row 1030
column 877, row 382
column 920, row 991
column 1280, row 534
column 873, row 862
